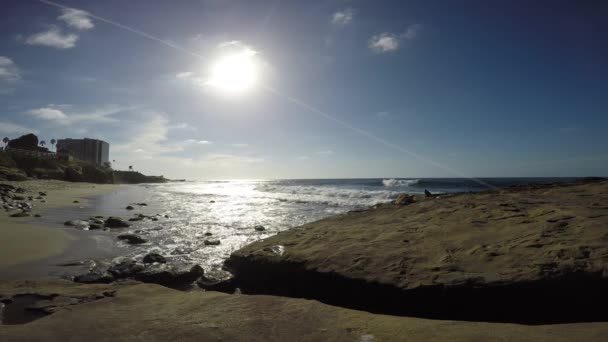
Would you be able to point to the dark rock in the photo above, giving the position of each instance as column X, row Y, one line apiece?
column 16, row 177
column 132, row 219
column 37, row 215
column 129, row 207
column 217, row 280
column 75, row 201
column 259, row 228
column 170, row 275
column 141, row 204
column 212, row 201
column 95, row 226
column 77, row 223
column 72, row 174
column 116, row 222
column 153, row 257
column 94, row 278
column 132, row 239
column 155, row 219
column 427, row 193
column 404, row 199
column 212, row 242
column 125, row 269
column 42, row 193
column 208, row 234
column 166, row 216
column 20, row 214
column 18, row 198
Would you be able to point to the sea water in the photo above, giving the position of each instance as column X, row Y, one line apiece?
column 229, row 211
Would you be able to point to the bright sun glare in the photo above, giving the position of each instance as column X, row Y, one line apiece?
column 234, row 73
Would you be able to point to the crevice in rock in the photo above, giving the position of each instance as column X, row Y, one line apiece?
column 568, row 298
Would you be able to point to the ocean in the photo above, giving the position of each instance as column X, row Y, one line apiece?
column 229, row 211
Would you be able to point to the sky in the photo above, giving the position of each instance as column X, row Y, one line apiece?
column 342, row 89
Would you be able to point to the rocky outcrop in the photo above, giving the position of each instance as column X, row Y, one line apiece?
column 134, row 177
column 25, row 142
column 148, row 312
column 116, row 222
column 530, row 255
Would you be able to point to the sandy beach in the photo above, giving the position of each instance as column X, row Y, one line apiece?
column 23, row 239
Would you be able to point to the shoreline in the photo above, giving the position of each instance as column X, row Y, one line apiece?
column 30, row 240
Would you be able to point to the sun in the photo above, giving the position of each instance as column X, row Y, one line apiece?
column 234, row 73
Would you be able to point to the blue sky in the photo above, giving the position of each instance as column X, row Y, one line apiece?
column 361, row 88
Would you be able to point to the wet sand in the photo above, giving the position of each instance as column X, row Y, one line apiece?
column 26, row 240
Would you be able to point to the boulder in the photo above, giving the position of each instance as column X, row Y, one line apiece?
column 95, row 226
column 212, row 242
column 154, row 257
column 179, row 275
column 132, row 239
column 217, row 280
column 259, row 228
column 125, row 269
column 404, row 199
column 129, row 207
column 116, row 222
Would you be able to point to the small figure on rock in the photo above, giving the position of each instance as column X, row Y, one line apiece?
column 427, row 193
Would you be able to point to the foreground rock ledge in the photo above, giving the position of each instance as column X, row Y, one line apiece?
column 146, row 312
column 532, row 255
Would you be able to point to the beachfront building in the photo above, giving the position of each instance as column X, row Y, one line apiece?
column 90, row 150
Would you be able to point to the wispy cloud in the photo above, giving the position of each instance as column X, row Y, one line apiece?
column 325, row 152
column 383, row 114
column 76, row 18
column 181, row 125
column 8, row 70
column 198, row 142
column 343, row 17
column 57, row 113
column 387, row 41
column 304, row 157
column 48, row 114
column 53, row 38
column 11, row 128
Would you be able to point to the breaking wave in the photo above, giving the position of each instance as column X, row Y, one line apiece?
column 399, row 182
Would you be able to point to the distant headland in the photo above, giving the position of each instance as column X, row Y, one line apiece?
column 74, row 160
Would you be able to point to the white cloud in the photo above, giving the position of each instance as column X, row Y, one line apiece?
column 181, row 125
column 325, row 152
column 53, row 38
column 8, row 128
column 48, row 114
column 198, row 142
column 304, row 157
column 57, row 113
column 76, row 18
column 343, row 17
column 8, row 70
column 386, row 41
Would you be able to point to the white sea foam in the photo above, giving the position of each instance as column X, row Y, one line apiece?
column 399, row 182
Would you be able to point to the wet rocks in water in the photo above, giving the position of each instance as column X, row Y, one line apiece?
column 125, row 269
column 42, row 193
column 211, row 242
column 94, row 278
column 37, row 215
column 116, row 222
column 170, row 275
column 141, row 204
column 404, row 199
column 18, row 198
column 78, row 224
column 75, row 202
column 95, row 226
column 134, row 219
column 132, row 239
column 154, row 257
column 259, row 228
column 20, row 214
column 217, row 280
column 129, row 207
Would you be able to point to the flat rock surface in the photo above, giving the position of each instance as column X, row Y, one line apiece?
column 492, row 239
column 147, row 312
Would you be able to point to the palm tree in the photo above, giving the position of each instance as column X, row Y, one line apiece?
column 42, row 143
column 130, row 167
column 5, row 141
column 53, row 142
